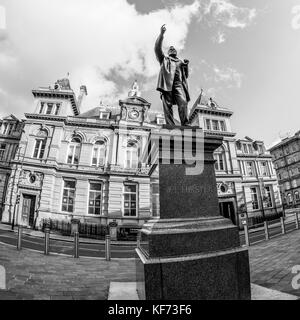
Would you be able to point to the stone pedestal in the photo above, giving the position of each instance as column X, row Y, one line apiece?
column 191, row 252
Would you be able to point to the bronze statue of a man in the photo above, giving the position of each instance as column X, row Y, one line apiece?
column 172, row 81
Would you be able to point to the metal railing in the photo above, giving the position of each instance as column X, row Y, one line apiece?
column 268, row 229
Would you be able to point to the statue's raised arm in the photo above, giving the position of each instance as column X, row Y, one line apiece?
column 158, row 44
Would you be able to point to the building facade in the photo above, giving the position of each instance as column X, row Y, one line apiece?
column 83, row 165
column 286, row 159
column 246, row 180
column 10, row 134
column 87, row 165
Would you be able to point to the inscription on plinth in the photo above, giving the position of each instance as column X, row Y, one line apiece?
column 187, row 196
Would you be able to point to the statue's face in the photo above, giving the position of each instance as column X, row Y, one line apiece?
column 172, row 52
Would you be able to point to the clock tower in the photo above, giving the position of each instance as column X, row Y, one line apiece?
column 134, row 109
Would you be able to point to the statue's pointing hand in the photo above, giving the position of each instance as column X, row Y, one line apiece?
column 163, row 29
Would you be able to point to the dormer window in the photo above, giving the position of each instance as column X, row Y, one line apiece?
column 223, row 127
column 2, row 151
column 260, row 148
column 42, row 107
column 104, row 115
column 49, row 108
column 57, row 109
column 215, row 125
column 160, row 121
column 10, row 129
column 5, row 125
column 207, row 123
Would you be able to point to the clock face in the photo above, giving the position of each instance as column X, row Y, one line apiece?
column 134, row 114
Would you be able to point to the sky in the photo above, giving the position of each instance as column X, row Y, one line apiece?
column 244, row 54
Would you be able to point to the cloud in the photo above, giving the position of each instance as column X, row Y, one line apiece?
column 221, row 77
column 102, row 44
column 219, row 38
column 224, row 15
column 228, row 76
column 90, row 39
column 231, row 16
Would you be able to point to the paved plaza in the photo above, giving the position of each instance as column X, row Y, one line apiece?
column 31, row 275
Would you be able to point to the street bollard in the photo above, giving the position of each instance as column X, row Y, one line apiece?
column 266, row 230
column 138, row 240
column 296, row 220
column 19, row 244
column 246, row 231
column 76, row 245
column 282, row 225
column 107, row 248
column 47, row 241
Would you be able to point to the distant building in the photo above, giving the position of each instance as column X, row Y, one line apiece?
column 10, row 133
column 246, row 179
column 286, row 159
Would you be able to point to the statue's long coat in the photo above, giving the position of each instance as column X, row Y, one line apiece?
column 167, row 70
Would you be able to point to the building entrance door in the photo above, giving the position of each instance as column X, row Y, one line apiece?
column 28, row 209
column 227, row 210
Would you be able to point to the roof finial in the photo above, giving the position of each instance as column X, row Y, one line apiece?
column 135, row 90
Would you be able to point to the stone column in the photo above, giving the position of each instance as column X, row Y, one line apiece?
column 191, row 252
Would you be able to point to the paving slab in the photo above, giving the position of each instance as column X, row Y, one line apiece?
column 127, row 291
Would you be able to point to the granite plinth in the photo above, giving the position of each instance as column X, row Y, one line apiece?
column 177, row 237
column 187, row 196
column 191, row 252
column 222, row 275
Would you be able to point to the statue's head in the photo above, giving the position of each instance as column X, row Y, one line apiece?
column 172, row 52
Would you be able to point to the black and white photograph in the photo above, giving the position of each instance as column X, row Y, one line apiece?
column 149, row 152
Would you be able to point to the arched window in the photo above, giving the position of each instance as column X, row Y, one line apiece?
column 74, row 150
column 99, row 154
column 132, row 155
column 40, row 145
column 219, row 156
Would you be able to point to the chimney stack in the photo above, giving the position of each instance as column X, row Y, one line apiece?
column 82, row 94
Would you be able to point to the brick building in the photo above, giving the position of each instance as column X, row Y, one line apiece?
column 286, row 159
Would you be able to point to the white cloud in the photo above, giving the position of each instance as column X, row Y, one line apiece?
column 225, row 15
column 229, row 76
column 101, row 43
column 231, row 16
column 220, row 37
column 90, row 39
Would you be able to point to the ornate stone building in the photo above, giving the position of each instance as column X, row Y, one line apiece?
column 87, row 164
column 83, row 165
